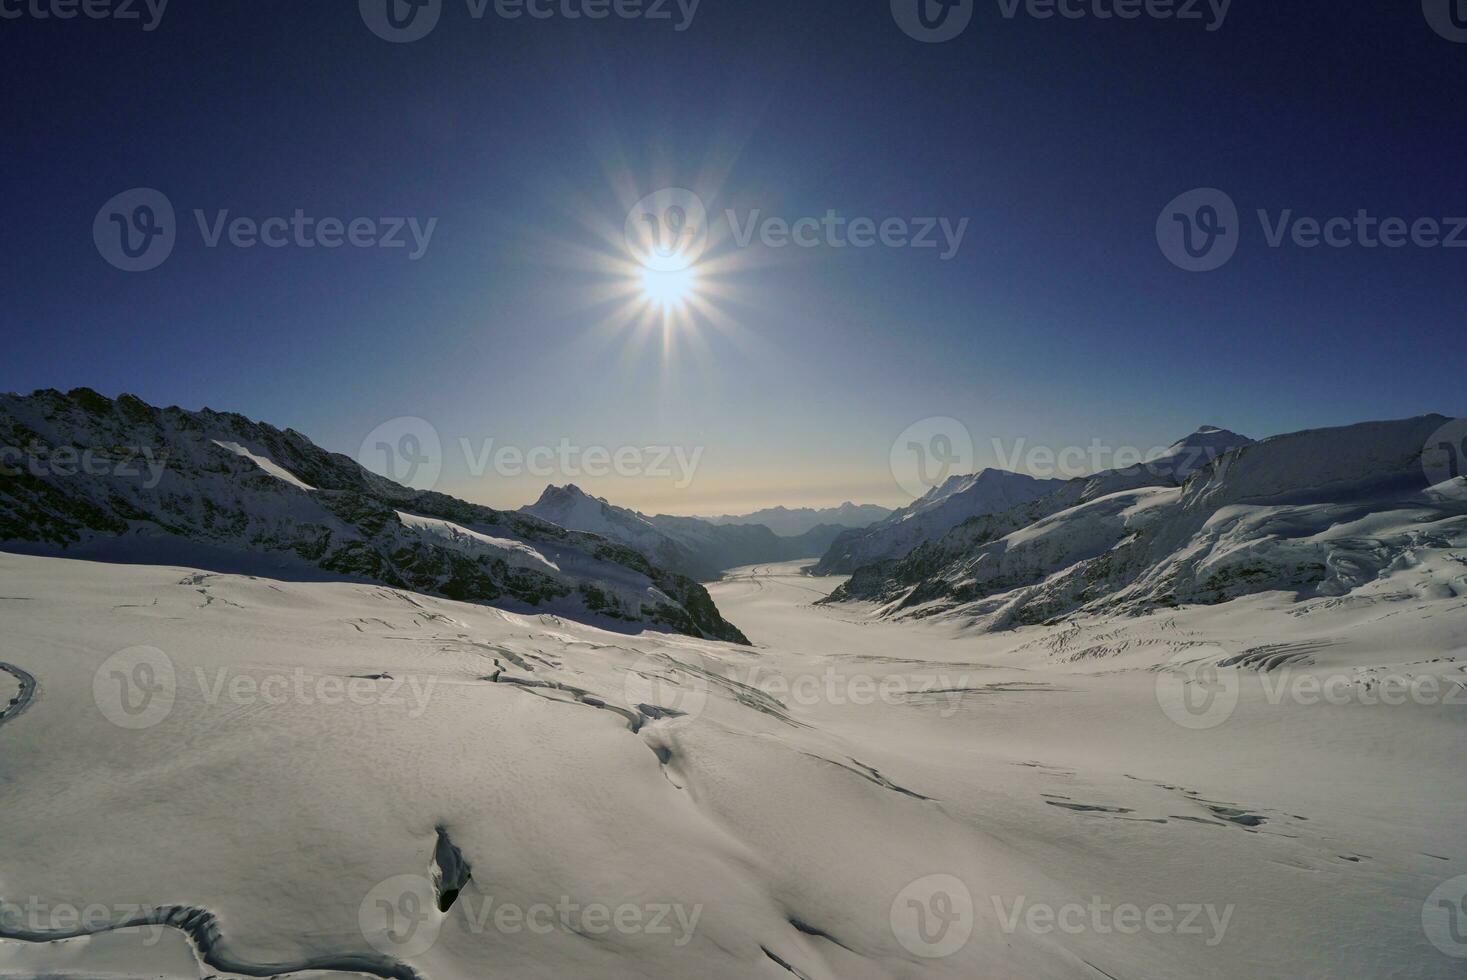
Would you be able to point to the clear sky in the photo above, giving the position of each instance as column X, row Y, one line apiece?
column 1058, row 321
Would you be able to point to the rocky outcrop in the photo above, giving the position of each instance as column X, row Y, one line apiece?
column 86, row 475
column 1313, row 513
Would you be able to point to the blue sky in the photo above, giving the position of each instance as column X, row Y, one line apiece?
column 1058, row 322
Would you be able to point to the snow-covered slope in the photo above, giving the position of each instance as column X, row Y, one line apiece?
column 266, row 777
column 122, row 480
column 943, row 507
column 1312, row 514
column 689, row 545
column 946, row 539
column 788, row 522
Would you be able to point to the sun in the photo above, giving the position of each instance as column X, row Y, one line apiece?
column 668, row 289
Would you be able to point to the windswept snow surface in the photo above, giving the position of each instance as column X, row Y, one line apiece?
column 851, row 798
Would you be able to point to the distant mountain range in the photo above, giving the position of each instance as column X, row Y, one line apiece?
column 86, row 476
column 990, row 491
column 688, row 545
column 1313, row 513
column 1215, row 517
column 793, row 522
column 941, row 508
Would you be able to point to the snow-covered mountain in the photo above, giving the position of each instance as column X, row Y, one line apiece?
column 121, row 480
column 941, row 508
column 689, row 545
column 790, row 522
column 1002, row 493
column 233, row 775
column 1316, row 513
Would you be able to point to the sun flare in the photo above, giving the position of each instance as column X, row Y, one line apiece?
column 668, row 289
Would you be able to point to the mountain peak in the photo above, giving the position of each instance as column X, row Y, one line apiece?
column 568, row 492
column 1191, row 453
column 1214, row 431
column 220, row 492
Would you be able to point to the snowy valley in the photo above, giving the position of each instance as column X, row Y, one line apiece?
column 275, row 716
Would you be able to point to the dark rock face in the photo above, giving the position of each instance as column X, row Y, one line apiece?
column 84, row 474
